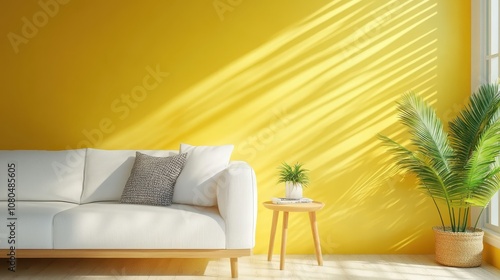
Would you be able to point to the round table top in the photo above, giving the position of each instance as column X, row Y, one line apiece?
column 295, row 207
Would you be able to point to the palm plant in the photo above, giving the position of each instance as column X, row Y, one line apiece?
column 461, row 168
column 295, row 174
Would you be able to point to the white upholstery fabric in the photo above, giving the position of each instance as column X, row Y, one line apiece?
column 196, row 185
column 127, row 226
column 33, row 225
column 107, row 171
column 44, row 175
column 237, row 202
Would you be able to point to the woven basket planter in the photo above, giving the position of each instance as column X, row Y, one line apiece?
column 459, row 249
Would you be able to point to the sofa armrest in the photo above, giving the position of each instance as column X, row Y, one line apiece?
column 237, row 202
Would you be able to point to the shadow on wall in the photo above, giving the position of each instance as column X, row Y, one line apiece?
column 337, row 71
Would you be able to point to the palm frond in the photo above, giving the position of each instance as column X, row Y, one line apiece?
column 483, row 157
column 482, row 195
column 429, row 178
column 428, row 135
column 466, row 129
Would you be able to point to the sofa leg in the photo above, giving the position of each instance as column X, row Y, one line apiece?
column 234, row 267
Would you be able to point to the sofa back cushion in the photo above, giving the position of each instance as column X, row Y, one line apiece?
column 107, row 172
column 43, row 175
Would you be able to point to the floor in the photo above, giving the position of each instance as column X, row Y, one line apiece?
column 366, row 267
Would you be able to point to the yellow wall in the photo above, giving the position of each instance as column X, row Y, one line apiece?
column 309, row 81
column 491, row 255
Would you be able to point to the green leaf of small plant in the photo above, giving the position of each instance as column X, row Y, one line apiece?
column 293, row 173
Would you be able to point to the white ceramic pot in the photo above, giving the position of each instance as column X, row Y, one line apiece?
column 293, row 190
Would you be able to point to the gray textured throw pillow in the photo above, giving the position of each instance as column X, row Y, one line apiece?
column 152, row 179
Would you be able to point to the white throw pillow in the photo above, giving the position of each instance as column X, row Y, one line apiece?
column 197, row 183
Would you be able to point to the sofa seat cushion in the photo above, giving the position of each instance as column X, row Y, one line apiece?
column 33, row 224
column 129, row 226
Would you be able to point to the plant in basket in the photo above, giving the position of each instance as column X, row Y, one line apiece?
column 458, row 169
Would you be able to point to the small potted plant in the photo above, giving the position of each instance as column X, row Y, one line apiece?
column 295, row 177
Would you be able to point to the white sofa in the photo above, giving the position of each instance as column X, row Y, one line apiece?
column 67, row 204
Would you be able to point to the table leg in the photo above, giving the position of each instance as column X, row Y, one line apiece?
column 283, row 240
column 273, row 234
column 314, row 228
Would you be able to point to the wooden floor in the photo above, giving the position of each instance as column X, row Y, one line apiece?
column 365, row 267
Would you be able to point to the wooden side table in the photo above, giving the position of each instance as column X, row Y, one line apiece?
column 295, row 207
